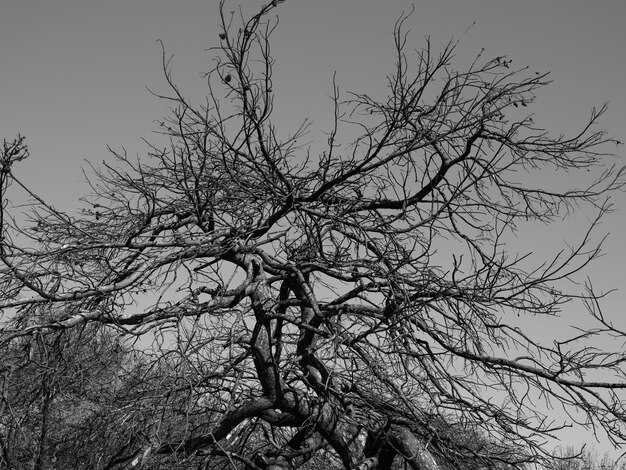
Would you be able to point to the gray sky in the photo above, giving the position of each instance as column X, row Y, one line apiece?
column 73, row 73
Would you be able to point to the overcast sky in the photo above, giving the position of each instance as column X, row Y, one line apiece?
column 73, row 73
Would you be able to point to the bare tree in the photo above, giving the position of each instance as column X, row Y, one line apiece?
column 353, row 303
column 570, row 458
column 82, row 399
column 58, row 390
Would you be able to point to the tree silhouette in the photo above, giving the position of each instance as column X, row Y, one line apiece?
column 353, row 304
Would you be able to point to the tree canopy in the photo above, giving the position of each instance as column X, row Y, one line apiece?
column 264, row 302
